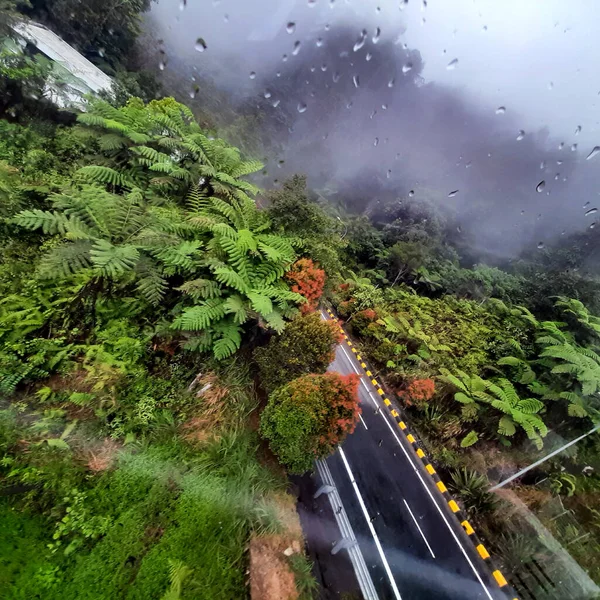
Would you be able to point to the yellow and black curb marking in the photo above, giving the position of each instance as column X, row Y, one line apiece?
column 452, row 504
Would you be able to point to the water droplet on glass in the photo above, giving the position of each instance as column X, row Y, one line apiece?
column 540, row 186
column 391, row 83
column 550, row 85
column 522, row 212
column 291, row 27
column 540, row 245
column 161, row 65
column 276, row 103
column 407, row 67
column 389, row 173
column 278, row 74
column 586, row 205
column 336, row 77
column 593, row 225
column 252, row 74
column 556, row 177
column 284, row 58
column 573, row 147
column 327, row 27
column 200, row 45
column 349, row 105
column 452, row 64
column 484, row 28
column 411, row 193
column 521, row 135
column 301, row 107
column 561, row 145
column 578, row 130
column 296, row 49
column 452, row 194
column 356, row 80
column 500, row 110
column 369, row 56
column 323, row 67
column 372, row 114
column 182, row 5
column 376, row 35
column 543, row 165
column 267, row 94
column 226, row 18
column 311, row 3
column 361, row 41
column 593, row 153
column 384, row 106
column 313, row 69
column 376, row 141
column 592, row 211
column 319, row 42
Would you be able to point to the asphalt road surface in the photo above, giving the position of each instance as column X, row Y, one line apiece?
column 412, row 545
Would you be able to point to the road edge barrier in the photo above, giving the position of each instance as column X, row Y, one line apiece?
column 458, row 513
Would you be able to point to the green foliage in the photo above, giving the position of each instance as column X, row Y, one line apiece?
column 475, row 392
column 469, row 439
column 473, row 490
column 307, row 345
column 307, row 418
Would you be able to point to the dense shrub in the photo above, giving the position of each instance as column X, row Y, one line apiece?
column 308, row 280
column 309, row 417
column 306, row 346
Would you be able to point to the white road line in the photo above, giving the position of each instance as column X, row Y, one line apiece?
column 456, row 538
column 458, row 542
column 386, row 566
column 363, row 422
column 354, row 552
column 351, row 361
column 417, row 524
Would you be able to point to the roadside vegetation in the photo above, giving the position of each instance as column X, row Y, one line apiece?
column 159, row 348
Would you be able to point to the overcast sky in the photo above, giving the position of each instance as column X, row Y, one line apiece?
column 537, row 58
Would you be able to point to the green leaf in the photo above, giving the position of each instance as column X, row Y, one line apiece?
column 506, row 426
column 58, row 443
column 471, row 438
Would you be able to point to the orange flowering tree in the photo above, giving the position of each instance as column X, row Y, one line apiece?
column 418, row 391
column 308, row 280
column 307, row 418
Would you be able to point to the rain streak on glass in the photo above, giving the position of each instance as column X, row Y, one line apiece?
column 356, row 81
column 361, row 41
column 452, row 64
column 297, row 45
column 592, row 211
column 594, row 152
column 452, row 194
column 377, row 35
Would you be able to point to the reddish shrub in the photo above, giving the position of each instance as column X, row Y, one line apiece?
column 309, row 417
column 309, row 281
column 418, row 391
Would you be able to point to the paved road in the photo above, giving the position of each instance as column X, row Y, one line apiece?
column 411, row 543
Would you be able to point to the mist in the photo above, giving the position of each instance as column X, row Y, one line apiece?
column 483, row 109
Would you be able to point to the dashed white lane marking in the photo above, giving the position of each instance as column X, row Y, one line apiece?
column 363, row 422
column 458, row 542
column 420, row 530
column 386, row 566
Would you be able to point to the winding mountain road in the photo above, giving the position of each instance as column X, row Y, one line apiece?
column 410, row 545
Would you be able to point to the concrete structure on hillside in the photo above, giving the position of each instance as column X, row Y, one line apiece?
column 73, row 76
